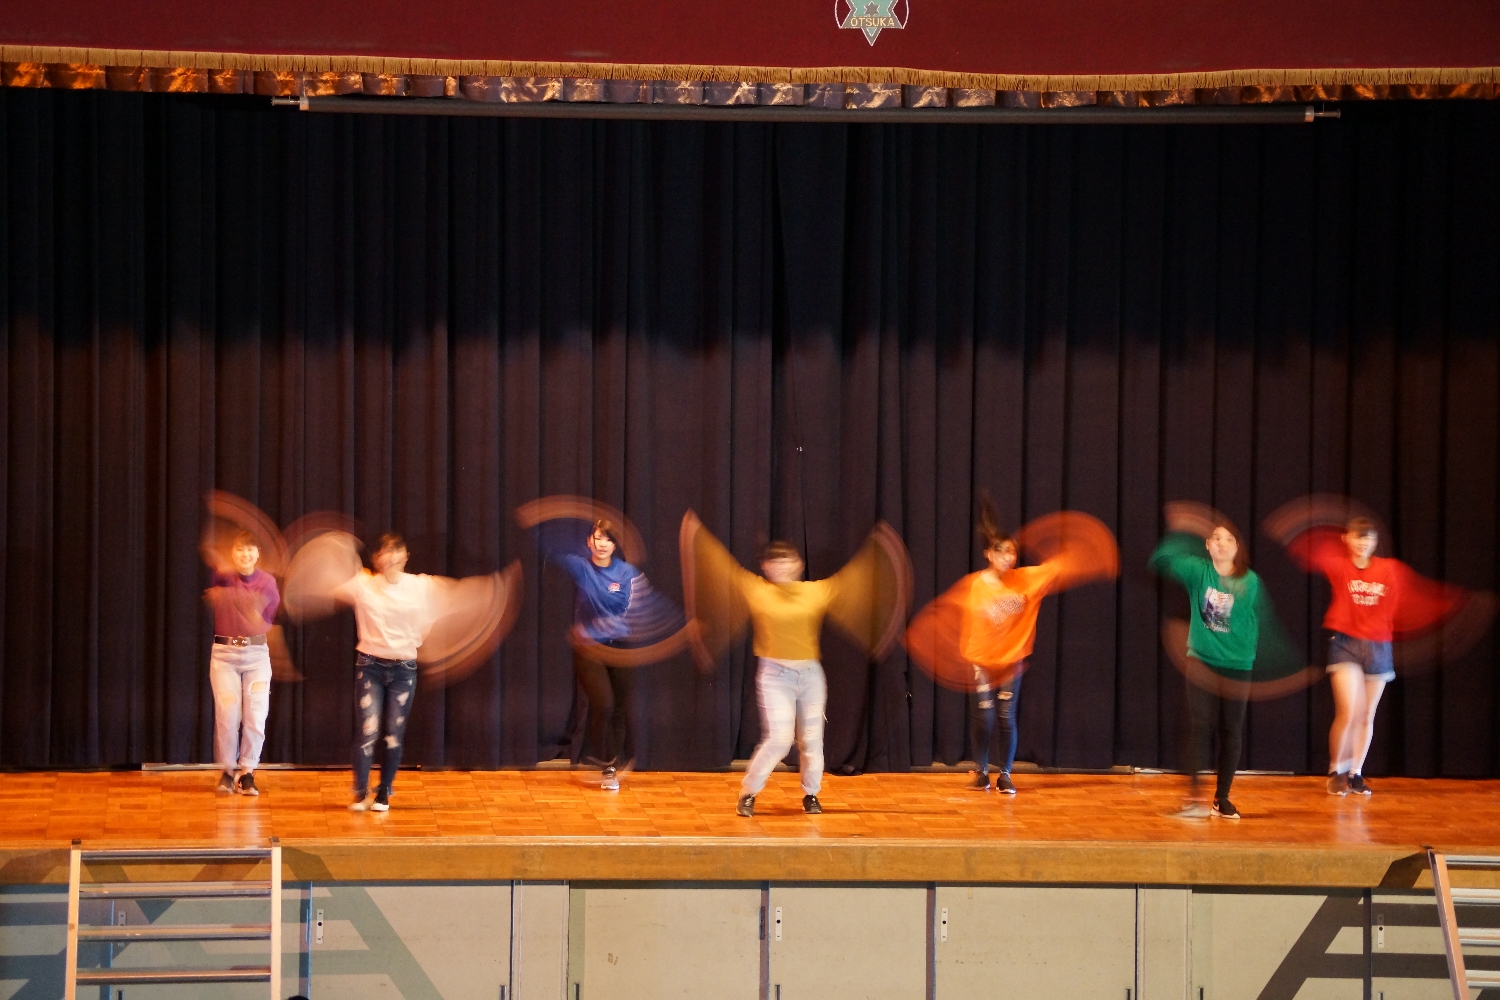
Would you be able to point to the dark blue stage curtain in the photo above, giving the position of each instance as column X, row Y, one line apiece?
column 794, row 330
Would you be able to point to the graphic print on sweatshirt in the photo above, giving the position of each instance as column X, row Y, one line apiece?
column 1005, row 607
column 1366, row 593
column 1215, row 610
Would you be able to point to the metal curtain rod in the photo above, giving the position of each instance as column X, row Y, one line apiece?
column 1262, row 114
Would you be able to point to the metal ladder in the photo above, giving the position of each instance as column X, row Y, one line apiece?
column 1454, row 936
column 78, row 891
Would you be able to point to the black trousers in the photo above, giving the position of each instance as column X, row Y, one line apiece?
column 1212, row 713
column 610, row 692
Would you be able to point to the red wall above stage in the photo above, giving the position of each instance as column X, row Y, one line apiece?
column 984, row 36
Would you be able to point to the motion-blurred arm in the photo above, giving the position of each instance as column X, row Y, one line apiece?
column 563, row 524
column 871, row 595
column 1077, row 547
column 1178, row 554
column 468, row 619
column 321, row 576
column 713, row 591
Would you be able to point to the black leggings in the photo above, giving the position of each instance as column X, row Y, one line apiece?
column 1211, row 712
column 610, row 695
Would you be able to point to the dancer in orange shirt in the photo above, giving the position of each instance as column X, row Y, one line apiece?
column 978, row 634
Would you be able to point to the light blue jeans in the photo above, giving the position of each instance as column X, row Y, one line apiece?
column 791, row 708
column 241, row 680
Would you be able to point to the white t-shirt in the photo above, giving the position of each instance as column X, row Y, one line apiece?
column 392, row 617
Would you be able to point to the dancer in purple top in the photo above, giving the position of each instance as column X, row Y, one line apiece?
column 244, row 601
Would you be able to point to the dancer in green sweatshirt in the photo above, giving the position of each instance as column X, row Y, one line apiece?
column 1204, row 553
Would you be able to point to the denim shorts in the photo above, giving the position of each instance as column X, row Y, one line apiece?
column 1373, row 657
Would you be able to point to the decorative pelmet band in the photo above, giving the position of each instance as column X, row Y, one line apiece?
column 323, row 75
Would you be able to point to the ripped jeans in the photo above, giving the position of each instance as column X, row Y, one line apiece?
column 992, row 703
column 377, row 683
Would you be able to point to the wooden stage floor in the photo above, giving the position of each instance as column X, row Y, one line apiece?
column 494, row 825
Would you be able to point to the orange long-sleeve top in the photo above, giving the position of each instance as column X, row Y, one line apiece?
column 999, row 621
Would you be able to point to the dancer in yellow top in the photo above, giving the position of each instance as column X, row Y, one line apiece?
column 868, row 599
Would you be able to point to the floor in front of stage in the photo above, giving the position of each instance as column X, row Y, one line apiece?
column 672, row 825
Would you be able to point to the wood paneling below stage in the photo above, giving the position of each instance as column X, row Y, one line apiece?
column 539, row 825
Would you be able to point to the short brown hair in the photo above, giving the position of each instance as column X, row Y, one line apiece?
column 243, row 537
column 1361, row 526
column 604, row 526
column 389, row 540
column 779, row 550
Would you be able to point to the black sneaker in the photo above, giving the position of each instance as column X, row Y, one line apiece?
column 1224, row 809
column 382, row 801
column 1338, row 784
column 1003, row 784
column 1357, row 785
column 246, row 784
column 226, row 784
column 810, row 804
column 609, row 781
column 359, row 804
column 981, row 781
column 746, row 806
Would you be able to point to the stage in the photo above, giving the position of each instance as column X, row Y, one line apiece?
column 552, row 825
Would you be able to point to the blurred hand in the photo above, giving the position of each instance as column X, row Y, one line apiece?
column 1193, row 518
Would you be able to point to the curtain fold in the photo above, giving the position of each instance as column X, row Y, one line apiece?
column 794, row 330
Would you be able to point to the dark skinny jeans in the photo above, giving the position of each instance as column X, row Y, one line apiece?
column 610, row 692
column 1215, row 712
column 994, row 705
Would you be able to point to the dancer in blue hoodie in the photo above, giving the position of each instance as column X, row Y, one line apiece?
column 619, row 622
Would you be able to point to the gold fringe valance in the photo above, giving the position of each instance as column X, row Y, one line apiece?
column 1374, row 77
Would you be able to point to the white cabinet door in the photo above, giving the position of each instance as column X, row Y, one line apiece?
column 1034, row 943
column 1408, row 961
column 1277, row 945
column 651, row 943
column 839, row 943
column 410, row 942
